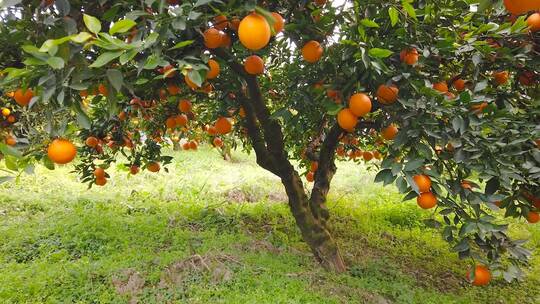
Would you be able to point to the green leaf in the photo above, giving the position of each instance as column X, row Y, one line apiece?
column 122, row 26
column 127, row 56
column 8, row 150
column 368, row 23
column 394, row 15
column 413, row 165
column 48, row 163
column 56, row 62
column 105, row 58
column 182, row 44
column 409, row 9
column 380, row 53
column 92, row 23
column 492, row 186
column 83, row 120
column 81, row 37
column 383, row 175
column 115, row 78
column 11, row 163
column 195, row 76
column 467, row 228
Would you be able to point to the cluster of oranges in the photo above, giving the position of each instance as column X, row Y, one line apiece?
column 310, row 176
column 359, row 106
column 8, row 118
column 426, row 199
column 349, row 147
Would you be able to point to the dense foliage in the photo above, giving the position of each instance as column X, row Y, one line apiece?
column 451, row 101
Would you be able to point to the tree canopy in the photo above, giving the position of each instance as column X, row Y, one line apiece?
column 441, row 97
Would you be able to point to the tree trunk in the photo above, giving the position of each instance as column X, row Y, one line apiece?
column 314, row 232
column 268, row 142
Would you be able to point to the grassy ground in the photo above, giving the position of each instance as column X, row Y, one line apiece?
column 211, row 231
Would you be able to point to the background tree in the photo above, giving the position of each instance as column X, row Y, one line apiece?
column 444, row 93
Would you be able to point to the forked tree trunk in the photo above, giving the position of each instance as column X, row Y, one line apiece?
column 314, row 231
column 268, row 142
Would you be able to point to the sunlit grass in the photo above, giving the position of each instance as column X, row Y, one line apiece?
column 64, row 243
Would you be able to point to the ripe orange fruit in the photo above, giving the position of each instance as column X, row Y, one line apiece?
column 320, row 2
column 223, row 125
column 423, row 182
column 254, row 32
column 11, row 119
column 466, row 185
column 347, row 120
column 409, row 56
column 168, row 71
column 254, row 65
column 441, row 86
column 226, row 41
column 310, row 176
column 533, row 217
column 501, row 77
column 426, row 200
column 214, row 69
column 122, row 116
column 334, row 95
column 518, row 7
column 533, row 21
column 218, row 142
column 102, row 89
column 314, row 166
column 459, row 84
column 173, row 89
column 482, row 275
column 153, row 167
column 193, row 145
column 101, row 181
column 184, row 106
column 242, row 112
column 390, row 132
column 212, row 131
column 235, row 23
column 377, row 155
column 279, row 23
column 387, row 94
column 180, row 120
column 23, row 98
column 212, row 38
column 92, row 142
column 479, row 108
column 99, row 172
column 61, row 151
column 360, row 104
column 312, row 51
column 11, row 141
column 134, row 169
column 6, row 112
column 367, row 155
column 170, row 123
column 220, row 22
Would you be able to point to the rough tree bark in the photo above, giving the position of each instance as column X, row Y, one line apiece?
column 266, row 136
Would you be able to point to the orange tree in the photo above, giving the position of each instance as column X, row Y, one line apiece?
column 440, row 96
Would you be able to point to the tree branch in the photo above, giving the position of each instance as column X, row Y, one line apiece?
column 264, row 159
column 325, row 173
column 273, row 135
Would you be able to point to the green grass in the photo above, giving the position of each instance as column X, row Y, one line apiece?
column 212, row 231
